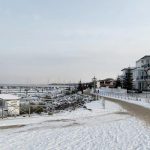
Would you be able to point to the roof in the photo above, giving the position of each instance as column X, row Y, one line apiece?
column 132, row 68
column 143, row 57
column 8, row 97
column 107, row 79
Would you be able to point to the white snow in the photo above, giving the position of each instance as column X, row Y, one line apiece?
column 82, row 129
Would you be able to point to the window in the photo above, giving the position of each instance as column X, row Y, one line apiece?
column 1, row 102
column 147, row 61
column 142, row 61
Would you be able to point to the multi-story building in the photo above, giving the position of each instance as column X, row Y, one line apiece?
column 141, row 78
column 141, row 73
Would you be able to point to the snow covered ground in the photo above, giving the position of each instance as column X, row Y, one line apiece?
column 94, row 128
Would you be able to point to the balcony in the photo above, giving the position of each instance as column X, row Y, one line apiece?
column 143, row 78
column 146, row 66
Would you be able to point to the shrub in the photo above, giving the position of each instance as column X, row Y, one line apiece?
column 50, row 113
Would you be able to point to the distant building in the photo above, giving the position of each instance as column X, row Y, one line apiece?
column 9, row 104
column 108, row 82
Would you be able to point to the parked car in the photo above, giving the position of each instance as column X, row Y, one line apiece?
column 134, row 91
column 130, row 91
column 138, row 91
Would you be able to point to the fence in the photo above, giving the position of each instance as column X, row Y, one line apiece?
column 122, row 95
column 25, row 109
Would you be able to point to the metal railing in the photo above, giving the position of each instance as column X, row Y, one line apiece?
column 124, row 96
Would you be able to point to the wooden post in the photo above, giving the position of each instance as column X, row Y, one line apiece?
column 29, row 109
column 103, row 103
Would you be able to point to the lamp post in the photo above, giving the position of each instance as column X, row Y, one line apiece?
column 94, row 80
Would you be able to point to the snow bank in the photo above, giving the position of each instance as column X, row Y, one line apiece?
column 82, row 129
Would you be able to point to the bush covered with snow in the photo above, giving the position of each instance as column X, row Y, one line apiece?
column 67, row 102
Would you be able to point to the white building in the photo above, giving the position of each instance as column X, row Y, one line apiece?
column 141, row 79
column 9, row 104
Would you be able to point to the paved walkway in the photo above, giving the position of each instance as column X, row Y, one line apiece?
column 138, row 111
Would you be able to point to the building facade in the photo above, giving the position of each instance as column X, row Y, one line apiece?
column 140, row 75
column 142, row 78
column 109, row 82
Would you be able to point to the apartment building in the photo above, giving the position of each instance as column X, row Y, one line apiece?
column 142, row 77
column 140, row 74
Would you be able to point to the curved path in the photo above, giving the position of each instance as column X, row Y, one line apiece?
column 138, row 111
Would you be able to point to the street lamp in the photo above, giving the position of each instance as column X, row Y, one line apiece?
column 94, row 80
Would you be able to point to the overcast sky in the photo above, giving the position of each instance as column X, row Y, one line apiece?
column 45, row 41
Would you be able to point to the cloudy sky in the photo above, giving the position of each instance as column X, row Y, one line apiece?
column 45, row 41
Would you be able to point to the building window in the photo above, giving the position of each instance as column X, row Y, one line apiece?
column 1, row 103
column 147, row 61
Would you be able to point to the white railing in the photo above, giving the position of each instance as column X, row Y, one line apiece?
column 120, row 94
